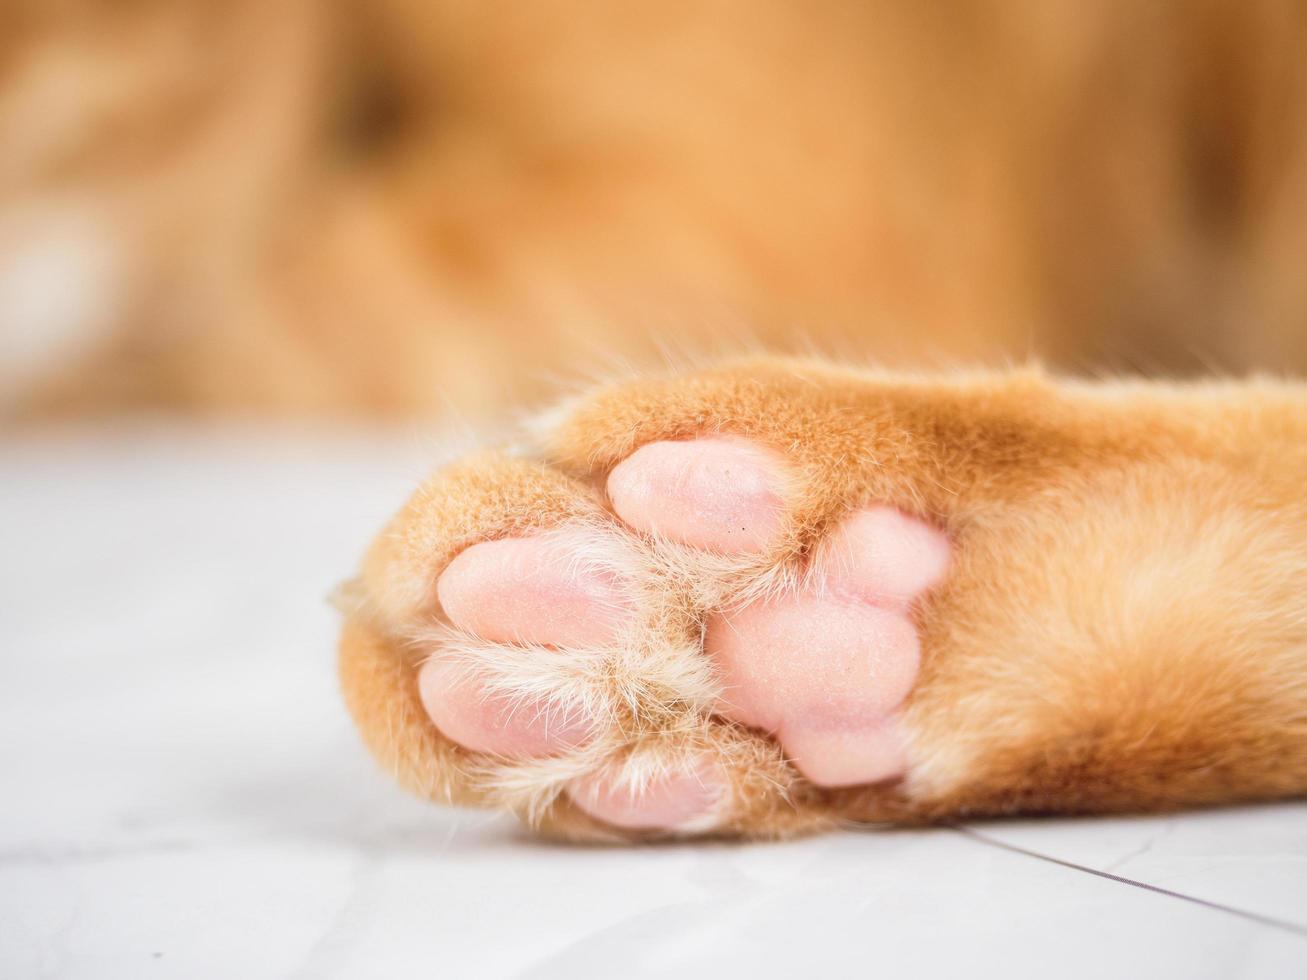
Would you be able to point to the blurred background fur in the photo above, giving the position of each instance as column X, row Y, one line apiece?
column 427, row 207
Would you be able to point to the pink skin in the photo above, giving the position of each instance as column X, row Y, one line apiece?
column 719, row 494
column 823, row 676
column 466, row 713
column 882, row 556
column 527, row 590
column 667, row 802
column 824, row 671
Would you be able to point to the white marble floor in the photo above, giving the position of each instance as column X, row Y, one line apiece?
column 183, row 796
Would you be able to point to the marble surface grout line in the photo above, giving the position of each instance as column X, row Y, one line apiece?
column 1295, row 928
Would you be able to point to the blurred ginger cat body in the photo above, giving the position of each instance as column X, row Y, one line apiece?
column 403, row 208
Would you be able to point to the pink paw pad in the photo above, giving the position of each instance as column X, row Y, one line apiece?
column 825, row 670
column 720, row 494
column 882, row 556
column 532, row 590
column 678, row 800
column 484, row 721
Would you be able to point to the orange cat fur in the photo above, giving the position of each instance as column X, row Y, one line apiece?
column 326, row 207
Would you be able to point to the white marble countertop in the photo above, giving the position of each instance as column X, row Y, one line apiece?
column 184, row 797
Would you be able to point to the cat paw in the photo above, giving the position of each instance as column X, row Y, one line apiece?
column 770, row 599
column 664, row 643
column 820, row 662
